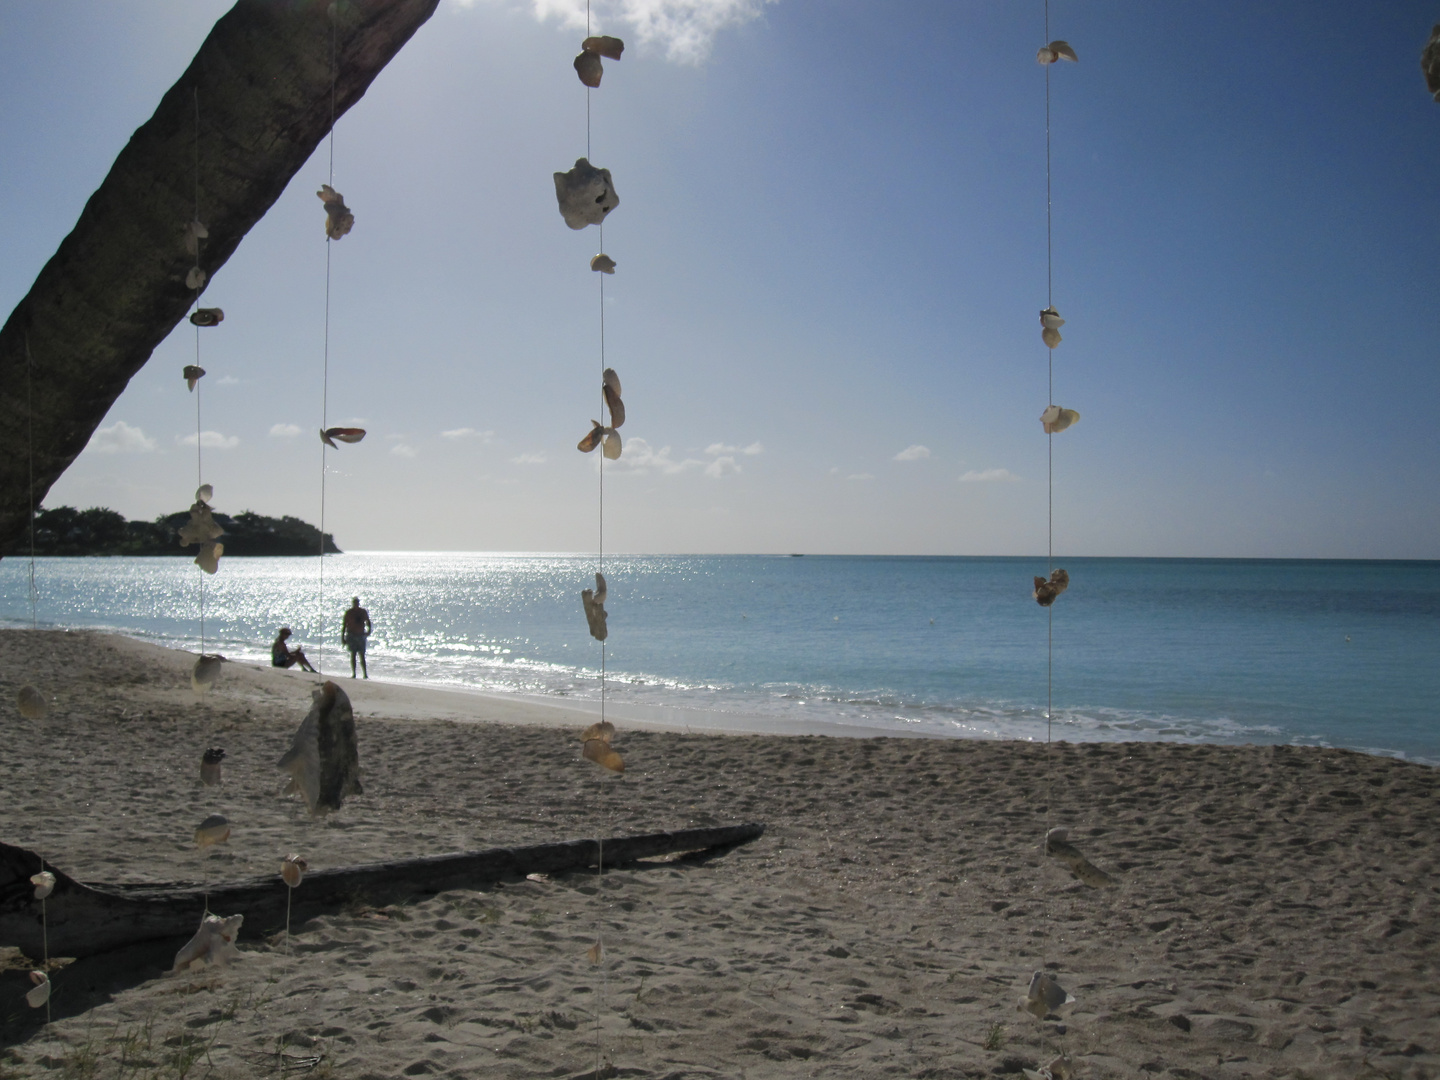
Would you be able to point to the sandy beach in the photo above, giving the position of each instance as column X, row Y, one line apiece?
column 1275, row 915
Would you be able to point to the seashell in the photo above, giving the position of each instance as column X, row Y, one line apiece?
column 591, row 441
column 205, row 493
column 1058, row 847
column 603, row 264
column 617, row 407
column 292, row 870
column 213, row 830
column 201, row 527
column 195, row 231
column 1050, row 319
column 324, row 759
column 1044, row 996
column 595, row 952
column 1056, row 50
column 594, row 604
column 344, row 434
column 1047, row 591
column 209, row 557
column 599, row 751
column 1055, row 1069
column 213, row 942
column 210, row 761
column 611, row 446
column 1051, row 337
column 44, row 883
column 207, row 316
column 1430, row 63
column 604, row 731
column 608, row 47
column 611, row 380
column 590, row 69
column 40, row 993
column 195, row 278
column 585, row 194
column 338, row 218
column 31, row 703
column 206, row 672
column 192, row 375
column 1055, row 419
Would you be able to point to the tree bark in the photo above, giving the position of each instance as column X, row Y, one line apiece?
column 83, row 920
column 116, row 286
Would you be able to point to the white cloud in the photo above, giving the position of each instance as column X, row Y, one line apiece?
column 860, row 476
column 121, row 438
column 685, row 29
column 913, row 453
column 228, row 380
column 211, row 440
column 721, row 448
column 459, row 433
column 284, row 431
column 640, row 457
column 529, row 459
column 989, row 476
column 403, row 450
column 720, row 466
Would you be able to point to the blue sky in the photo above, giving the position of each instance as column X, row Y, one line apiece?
column 831, row 248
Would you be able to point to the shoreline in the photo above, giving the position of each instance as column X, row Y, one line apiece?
column 1275, row 915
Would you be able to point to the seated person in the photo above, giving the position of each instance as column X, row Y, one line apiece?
column 283, row 656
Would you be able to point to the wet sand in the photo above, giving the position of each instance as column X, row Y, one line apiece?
column 1275, row 915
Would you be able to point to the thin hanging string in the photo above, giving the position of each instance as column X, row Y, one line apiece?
column 199, row 432
column 30, row 456
column 325, row 374
column 1050, row 438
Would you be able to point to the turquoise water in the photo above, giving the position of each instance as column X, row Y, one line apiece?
column 1335, row 653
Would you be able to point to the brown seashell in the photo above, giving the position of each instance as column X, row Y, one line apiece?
column 1056, row 50
column 338, row 218
column 604, row 731
column 1047, row 591
column 324, row 758
column 590, row 69
column 591, row 441
column 598, row 751
column 595, row 952
column 210, row 765
column 585, row 194
column 611, row 380
column 44, row 883
column 292, row 870
column 616, row 406
column 344, row 434
column 193, row 374
column 603, row 264
column 594, row 604
column 1044, row 996
column 213, row 830
column 608, row 47
column 1055, row 419
column 1430, row 63
column 206, row 672
column 31, row 703
column 207, row 316
column 1058, row 847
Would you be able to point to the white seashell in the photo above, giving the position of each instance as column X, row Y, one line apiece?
column 292, row 870
column 603, row 264
column 1050, row 319
column 209, row 557
column 213, row 942
column 585, row 194
column 206, row 671
column 40, row 994
column 195, row 278
column 1058, row 847
column 31, row 703
column 195, row 231
column 1046, row 55
column 201, row 527
column 1055, row 419
column 1063, row 51
column 611, row 446
column 205, row 493
column 213, row 830
column 44, row 883
column 1044, row 996
column 1051, row 336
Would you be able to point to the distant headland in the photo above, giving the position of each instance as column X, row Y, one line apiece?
column 63, row 530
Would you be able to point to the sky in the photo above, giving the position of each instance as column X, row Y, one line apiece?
column 831, row 242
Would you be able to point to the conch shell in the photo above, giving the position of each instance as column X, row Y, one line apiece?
column 213, row 830
column 214, row 941
column 1056, row 50
column 1047, row 591
column 344, row 434
column 210, row 764
column 1044, row 996
column 338, row 218
column 324, row 759
column 44, row 883
column 206, row 671
column 193, row 374
column 292, row 870
column 594, row 603
column 603, row 264
column 40, row 993
column 207, row 316
column 1055, row 419
column 31, row 703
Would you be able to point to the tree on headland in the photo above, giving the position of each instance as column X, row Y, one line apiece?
column 63, row 530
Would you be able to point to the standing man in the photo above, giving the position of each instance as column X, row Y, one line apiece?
column 353, row 632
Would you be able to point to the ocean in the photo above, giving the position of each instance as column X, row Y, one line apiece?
column 1332, row 653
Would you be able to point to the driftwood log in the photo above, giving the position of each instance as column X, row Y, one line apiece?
column 116, row 286
column 88, row 919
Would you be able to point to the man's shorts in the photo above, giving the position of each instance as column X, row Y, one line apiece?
column 356, row 642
